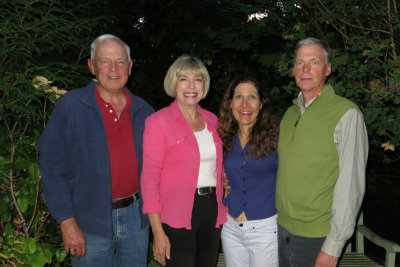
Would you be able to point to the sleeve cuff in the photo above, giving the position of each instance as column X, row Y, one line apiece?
column 151, row 208
column 333, row 247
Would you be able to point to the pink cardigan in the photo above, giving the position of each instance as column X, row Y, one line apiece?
column 171, row 161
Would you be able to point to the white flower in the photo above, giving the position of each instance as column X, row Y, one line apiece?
column 387, row 146
column 42, row 83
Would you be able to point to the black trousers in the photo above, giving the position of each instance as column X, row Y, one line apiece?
column 197, row 247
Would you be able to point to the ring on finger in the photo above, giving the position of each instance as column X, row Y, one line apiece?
column 72, row 250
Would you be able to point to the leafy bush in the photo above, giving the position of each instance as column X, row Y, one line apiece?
column 38, row 38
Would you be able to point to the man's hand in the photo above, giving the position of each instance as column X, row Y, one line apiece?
column 74, row 240
column 161, row 248
column 225, row 183
column 325, row 260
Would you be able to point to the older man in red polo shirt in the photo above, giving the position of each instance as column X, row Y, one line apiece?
column 91, row 159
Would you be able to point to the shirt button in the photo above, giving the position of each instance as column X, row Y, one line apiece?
column 241, row 224
column 244, row 191
column 177, row 141
column 115, row 119
column 110, row 110
column 106, row 106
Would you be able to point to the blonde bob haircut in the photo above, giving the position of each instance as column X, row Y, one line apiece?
column 184, row 65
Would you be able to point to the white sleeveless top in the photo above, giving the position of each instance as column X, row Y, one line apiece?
column 208, row 159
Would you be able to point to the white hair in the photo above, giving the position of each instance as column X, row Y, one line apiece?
column 108, row 37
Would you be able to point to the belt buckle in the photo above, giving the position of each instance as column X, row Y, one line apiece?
column 201, row 192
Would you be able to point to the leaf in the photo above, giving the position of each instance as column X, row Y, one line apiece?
column 23, row 203
column 5, row 214
column 60, row 255
column 9, row 229
column 34, row 172
column 32, row 245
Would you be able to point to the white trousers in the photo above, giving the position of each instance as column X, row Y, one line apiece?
column 250, row 243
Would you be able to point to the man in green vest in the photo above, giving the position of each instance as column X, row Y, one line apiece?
column 323, row 149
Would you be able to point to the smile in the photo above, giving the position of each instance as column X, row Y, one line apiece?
column 190, row 94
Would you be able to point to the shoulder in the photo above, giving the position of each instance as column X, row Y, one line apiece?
column 352, row 115
column 162, row 116
column 75, row 95
column 163, row 113
column 345, row 102
column 340, row 101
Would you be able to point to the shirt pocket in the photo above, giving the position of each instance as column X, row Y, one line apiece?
column 181, row 149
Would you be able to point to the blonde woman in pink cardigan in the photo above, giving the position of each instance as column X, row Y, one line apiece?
column 182, row 168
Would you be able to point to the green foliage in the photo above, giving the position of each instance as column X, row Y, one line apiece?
column 365, row 38
column 50, row 38
column 38, row 38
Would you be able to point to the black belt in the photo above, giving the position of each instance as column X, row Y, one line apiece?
column 124, row 202
column 205, row 191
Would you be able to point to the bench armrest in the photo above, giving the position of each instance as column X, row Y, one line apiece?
column 388, row 245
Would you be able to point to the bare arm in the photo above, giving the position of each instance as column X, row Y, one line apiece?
column 161, row 245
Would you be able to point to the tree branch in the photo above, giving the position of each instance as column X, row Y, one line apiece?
column 36, row 204
column 392, row 43
column 353, row 25
column 11, row 176
column 39, row 228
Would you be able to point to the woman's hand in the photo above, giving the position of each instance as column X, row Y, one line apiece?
column 161, row 248
column 161, row 245
column 225, row 183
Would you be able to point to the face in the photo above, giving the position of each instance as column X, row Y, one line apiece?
column 310, row 69
column 189, row 89
column 111, row 66
column 245, row 104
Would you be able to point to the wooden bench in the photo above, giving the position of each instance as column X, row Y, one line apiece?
column 357, row 258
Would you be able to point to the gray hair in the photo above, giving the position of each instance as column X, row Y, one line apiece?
column 310, row 41
column 108, row 37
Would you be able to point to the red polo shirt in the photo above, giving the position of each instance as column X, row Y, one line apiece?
column 124, row 168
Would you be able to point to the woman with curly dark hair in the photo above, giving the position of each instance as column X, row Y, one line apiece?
column 249, row 132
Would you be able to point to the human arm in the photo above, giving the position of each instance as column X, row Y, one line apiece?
column 351, row 141
column 326, row 260
column 154, row 151
column 153, row 158
column 53, row 160
column 74, row 240
column 161, row 245
column 225, row 183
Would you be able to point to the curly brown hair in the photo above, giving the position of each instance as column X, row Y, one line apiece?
column 263, row 134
